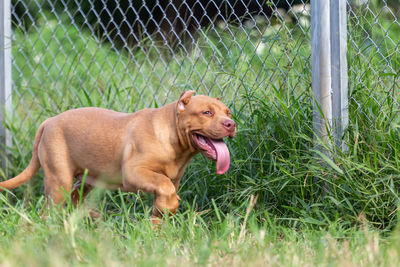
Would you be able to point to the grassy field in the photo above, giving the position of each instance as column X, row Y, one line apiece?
column 309, row 209
column 122, row 238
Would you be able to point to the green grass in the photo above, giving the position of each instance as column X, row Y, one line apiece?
column 310, row 209
column 68, row 237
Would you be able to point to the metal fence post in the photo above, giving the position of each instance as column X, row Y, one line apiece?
column 321, row 67
column 339, row 71
column 5, row 77
column 329, row 69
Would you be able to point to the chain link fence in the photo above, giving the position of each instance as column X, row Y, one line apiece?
column 127, row 55
column 374, row 60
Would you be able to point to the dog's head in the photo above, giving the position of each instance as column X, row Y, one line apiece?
column 206, row 121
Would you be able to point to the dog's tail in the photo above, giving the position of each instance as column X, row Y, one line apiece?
column 32, row 168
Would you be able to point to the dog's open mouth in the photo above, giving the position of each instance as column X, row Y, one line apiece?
column 214, row 149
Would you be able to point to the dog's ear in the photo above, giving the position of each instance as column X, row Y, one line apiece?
column 184, row 100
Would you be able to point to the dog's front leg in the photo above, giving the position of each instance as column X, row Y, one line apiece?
column 166, row 199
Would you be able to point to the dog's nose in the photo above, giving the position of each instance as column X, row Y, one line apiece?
column 229, row 125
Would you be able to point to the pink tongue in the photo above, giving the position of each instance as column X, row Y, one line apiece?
column 223, row 158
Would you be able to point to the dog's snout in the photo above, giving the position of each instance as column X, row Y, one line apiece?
column 229, row 125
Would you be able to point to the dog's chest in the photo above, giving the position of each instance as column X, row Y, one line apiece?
column 175, row 169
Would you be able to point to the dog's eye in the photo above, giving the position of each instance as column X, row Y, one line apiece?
column 207, row 113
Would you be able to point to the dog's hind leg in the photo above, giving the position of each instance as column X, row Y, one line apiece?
column 57, row 186
column 58, row 170
column 80, row 191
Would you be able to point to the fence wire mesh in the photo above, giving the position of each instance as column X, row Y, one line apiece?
column 127, row 55
column 374, row 59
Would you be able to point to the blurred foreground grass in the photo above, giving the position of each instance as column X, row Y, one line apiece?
column 68, row 238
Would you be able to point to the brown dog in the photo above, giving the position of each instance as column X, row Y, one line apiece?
column 148, row 150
